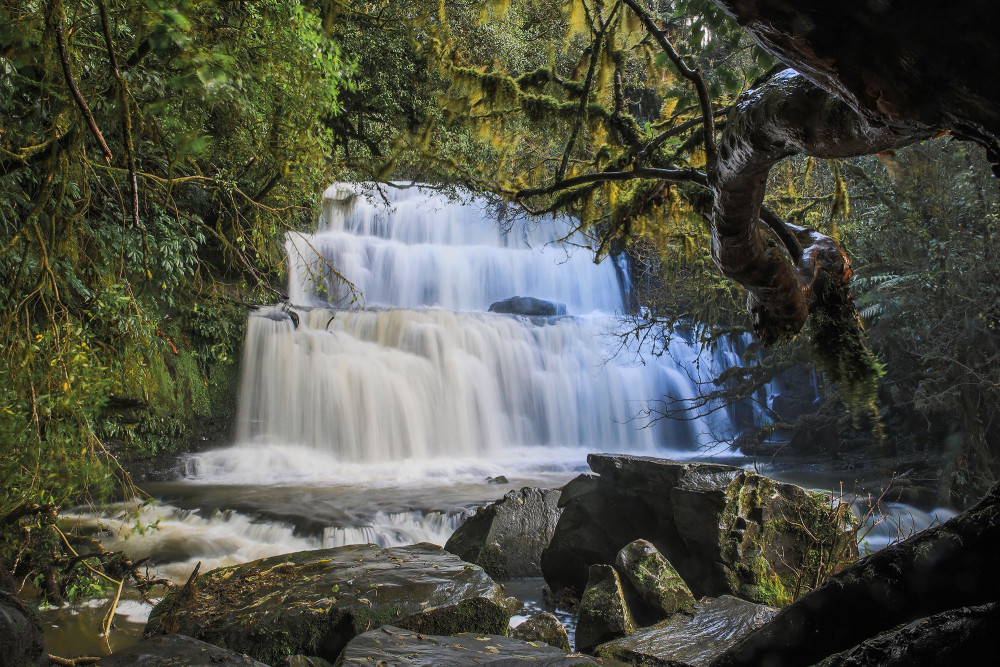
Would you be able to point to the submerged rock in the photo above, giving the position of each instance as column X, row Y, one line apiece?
column 528, row 306
column 604, row 612
column 690, row 640
column 543, row 627
column 726, row 530
column 313, row 602
column 176, row 650
column 506, row 538
column 21, row 640
column 654, row 579
column 390, row 646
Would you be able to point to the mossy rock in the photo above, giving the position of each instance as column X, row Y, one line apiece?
column 313, row 602
column 543, row 627
column 654, row 579
column 726, row 530
column 604, row 611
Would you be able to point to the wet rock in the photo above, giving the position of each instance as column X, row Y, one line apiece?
column 499, row 479
column 654, row 579
column 528, row 306
column 21, row 640
column 690, row 640
column 390, row 645
column 545, row 628
column 171, row 650
column 313, row 602
column 306, row 661
column 604, row 612
column 726, row 530
column 956, row 637
column 506, row 538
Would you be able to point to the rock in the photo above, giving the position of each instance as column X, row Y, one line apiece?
column 306, row 661
column 956, row 637
column 21, row 640
column 313, row 602
column 604, row 613
column 654, row 578
column 545, row 628
column 726, row 530
column 390, row 645
column 506, row 538
column 937, row 570
column 172, row 650
column 528, row 306
column 690, row 640
column 499, row 479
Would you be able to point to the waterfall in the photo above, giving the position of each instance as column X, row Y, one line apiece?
column 424, row 371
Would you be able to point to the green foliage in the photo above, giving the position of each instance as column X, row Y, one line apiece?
column 124, row 270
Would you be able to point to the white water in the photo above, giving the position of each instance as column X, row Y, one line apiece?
column 431, row 374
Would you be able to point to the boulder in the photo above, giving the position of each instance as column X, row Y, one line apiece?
column 956, row 637
column 313, row 602
column 306, row 661
column 654, row 579
column 528, row 306
column 176, row 650
column 604, row 612
column 389, row 645
column 726, row 530
column 21, row 640
column 690, row 640
column 506, row 538
column 543, row 627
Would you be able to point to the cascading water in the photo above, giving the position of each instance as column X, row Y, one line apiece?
column 426, row 371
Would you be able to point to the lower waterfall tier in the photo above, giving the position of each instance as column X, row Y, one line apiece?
column 391, row 385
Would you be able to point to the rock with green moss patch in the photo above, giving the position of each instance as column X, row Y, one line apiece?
column 690, row 640
column 604, row 612
column 726, row 530
column 313, row 602
column 389, row 646
column 654, row 579
column 506, row 538
column 543, row 627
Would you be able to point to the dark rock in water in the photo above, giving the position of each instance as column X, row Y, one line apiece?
column 958, row 637
column 313, row 602
column 171, row 650
column 21, row 640
column 506, row 538
column 604, row 613
column 528, row 306
column 499, row 479
column 654, row 578
column 690, row 640
column 726, row 530
column 390, row 646
column 543, row 627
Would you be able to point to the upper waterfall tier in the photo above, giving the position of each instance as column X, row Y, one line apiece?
column 412, row 248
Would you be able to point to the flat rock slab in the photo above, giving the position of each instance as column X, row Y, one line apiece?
column 176, row 651
column 389, row 646
column 690, row 641
column 314, row 602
